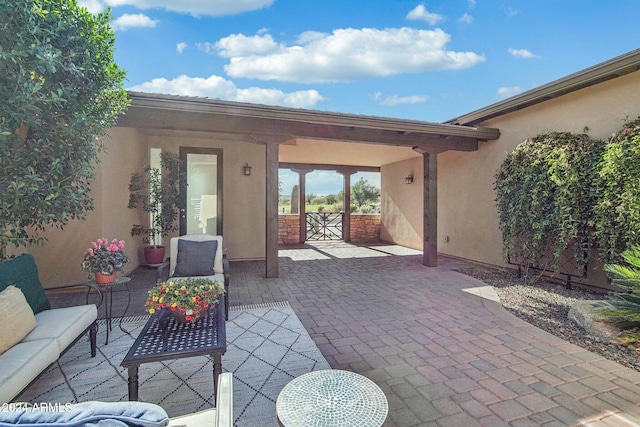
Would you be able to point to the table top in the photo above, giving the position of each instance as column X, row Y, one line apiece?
column 332, row 397
column 164, row 338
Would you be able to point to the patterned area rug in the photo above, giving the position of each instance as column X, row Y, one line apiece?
column 267, row 347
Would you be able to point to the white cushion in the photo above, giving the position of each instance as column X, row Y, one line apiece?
column 220, row 416
column 218, row 266
column 22, row 363
column 16, row 318
column 63, row 324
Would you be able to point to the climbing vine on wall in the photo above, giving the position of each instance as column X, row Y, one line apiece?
column 546, row 196
column 617, row 213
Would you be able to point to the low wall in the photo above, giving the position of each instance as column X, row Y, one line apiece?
column 288, row 229
column 364, row 228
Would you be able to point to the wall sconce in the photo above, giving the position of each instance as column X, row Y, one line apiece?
column 247, row 169
column 408, row 179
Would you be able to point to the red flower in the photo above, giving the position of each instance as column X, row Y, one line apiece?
column 163, row 305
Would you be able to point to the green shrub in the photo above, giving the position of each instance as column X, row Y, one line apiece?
column 627, row 298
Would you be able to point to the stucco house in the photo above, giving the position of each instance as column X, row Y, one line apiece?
column 448, row 209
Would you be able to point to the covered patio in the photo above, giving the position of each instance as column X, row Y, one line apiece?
column 438, row 343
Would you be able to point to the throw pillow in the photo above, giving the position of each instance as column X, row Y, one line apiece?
column 195, row 258
column 14, row 311
column 23, row 274
column 95, row 414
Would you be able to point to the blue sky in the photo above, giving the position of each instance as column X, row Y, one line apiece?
column 431, row 60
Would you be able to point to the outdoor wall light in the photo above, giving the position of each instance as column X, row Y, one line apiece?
column 247, row 169
column 408, row 179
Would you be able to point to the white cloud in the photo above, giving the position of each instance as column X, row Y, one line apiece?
column 193, row 7
column 522, row 53
column 466, row 19
column 219, row 87
column 93, row 6
column 393, row 100
column 241, row 45
column 127, row 21
column 506, row 92
column 180, row 47
column 345, row 55
column 420, row 13
column 472, row 4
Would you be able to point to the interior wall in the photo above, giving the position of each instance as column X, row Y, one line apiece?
column 466, row 208
column 401, row 204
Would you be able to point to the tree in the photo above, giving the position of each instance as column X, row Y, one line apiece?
column 309, row 198
column 61, row 91
column 362, row 192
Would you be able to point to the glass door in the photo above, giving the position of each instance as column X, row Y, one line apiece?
column 202, row 190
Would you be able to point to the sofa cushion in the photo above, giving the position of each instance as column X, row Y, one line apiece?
column 14, row 311
column 23, row 274
column 91, row 414
column 195, row 258
column 22, row 363
column 63, row 324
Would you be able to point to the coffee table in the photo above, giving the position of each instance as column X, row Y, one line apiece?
column 331, row 397
column 163, row 338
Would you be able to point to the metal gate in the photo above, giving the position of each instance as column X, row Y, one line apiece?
column 324, row 225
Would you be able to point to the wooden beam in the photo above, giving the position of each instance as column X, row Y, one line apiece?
column 271, row 250
column 346, row 202
column 327, row 167
column 430, row 209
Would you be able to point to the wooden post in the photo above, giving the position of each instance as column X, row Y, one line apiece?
column 346, row 221
column 430, row 209
column 271, row 252
column 302, row 188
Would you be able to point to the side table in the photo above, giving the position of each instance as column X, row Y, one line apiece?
column 108, row 300
column 331, row 397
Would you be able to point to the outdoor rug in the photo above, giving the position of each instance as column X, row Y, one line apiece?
column 267, row 347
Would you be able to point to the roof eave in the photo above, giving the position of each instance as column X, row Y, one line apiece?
column 611, row 69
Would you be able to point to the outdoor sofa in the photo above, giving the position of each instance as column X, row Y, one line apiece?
column 32, row 334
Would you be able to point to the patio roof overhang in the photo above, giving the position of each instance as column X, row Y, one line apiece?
column 264, row 124
column 273, row 126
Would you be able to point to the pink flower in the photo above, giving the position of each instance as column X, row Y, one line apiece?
column 114, row 242
column 112, row 248
column 121, row 244
column 94, row 245
column 90, row 252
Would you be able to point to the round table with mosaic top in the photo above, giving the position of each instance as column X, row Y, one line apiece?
column 331, row 397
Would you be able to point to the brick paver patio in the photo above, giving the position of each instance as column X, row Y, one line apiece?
column 442, row 355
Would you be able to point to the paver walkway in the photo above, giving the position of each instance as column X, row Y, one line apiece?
column 442, row 355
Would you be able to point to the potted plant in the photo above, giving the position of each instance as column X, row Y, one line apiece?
column 104, row 258
column 188, row 298
column 157, row 190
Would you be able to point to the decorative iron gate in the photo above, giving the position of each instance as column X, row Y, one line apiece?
column 324, row 225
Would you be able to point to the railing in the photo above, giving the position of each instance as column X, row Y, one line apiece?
column 324, row 225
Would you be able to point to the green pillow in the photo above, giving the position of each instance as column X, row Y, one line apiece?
column 23, row 274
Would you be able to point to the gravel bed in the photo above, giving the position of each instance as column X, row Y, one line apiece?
column 546, row 305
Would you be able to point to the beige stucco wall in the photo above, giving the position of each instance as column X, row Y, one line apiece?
column 59, row 258
column 401, row 204
column 466, row 205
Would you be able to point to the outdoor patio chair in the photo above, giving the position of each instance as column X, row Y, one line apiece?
column 197, row 255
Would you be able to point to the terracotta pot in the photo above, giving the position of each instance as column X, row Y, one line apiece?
column 103, row 278
column 154, row 254
column 181, row 316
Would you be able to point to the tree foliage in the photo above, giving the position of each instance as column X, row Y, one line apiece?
column 157, row 190
column 617, row 213
column 363, row 192
column 545, row 197
column 61, row 90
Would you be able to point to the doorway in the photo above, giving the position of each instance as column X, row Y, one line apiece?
column 201, row 189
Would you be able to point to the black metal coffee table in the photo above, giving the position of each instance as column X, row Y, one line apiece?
column 163, row 338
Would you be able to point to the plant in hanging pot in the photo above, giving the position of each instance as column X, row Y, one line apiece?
column 104, row 258
column 188, row 299
column 157, row 191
